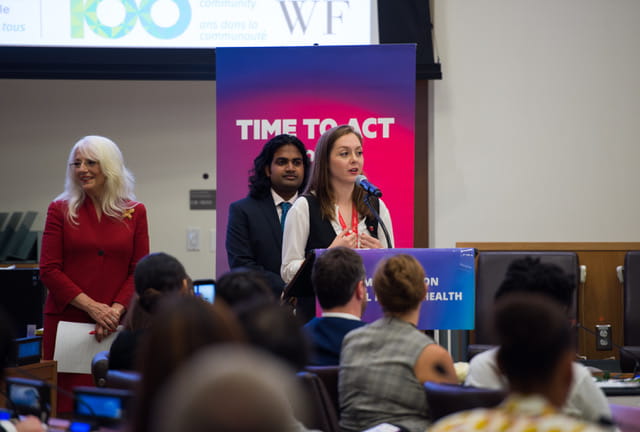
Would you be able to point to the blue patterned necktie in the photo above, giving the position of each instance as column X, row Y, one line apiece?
column 285, row 206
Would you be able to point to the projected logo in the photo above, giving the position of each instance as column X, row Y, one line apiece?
column 127, row 13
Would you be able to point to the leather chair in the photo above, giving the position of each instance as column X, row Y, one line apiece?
column 630, row 356
column 122, row 379
column 445, row 399
column 323, row 413
column 104, row 377
column 99, row 368
column 491, row 268
column 329, row 377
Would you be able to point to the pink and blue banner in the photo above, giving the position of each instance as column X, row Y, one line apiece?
column 303, row 91
column 450, row 276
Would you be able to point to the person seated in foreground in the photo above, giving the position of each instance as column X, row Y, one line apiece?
column 274, row 329
column 242, row 285
column 338, row 280
column 182, row 326
column 384, row 365
column 529, row 275
column 155, row 276
column 230, row 389
column 536, row 356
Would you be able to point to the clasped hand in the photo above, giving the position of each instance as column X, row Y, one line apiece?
column 348, row 238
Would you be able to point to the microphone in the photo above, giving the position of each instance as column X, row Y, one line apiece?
column 615, row 345
column 369, row 188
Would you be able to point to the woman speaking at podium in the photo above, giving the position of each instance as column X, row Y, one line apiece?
column 94, row 235
column 332, row 211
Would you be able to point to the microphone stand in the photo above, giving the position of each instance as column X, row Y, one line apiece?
column 618, row 347
column 377, row 216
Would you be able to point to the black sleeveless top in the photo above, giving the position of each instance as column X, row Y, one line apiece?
column 321, row 232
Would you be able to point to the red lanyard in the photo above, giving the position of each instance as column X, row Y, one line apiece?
column 354, row 220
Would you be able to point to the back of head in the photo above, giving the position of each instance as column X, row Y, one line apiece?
column 182, row 326
column 229, row 389
column 274, row 329
column 243, row 285
column 335, row 275
column 156, row 275
column 399, row 284
column 532, row 276
column 534, row 333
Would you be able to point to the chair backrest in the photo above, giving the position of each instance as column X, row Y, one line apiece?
column 122, row 379
column 324, row 416
column 631, row 316
column 445, row 399
column 490, row 272
column 99, row 368
column 329, row 377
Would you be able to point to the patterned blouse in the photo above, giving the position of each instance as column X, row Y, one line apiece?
column 516, row 414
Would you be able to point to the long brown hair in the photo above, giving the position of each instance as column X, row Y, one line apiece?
column 320, row 177
column 182, row 326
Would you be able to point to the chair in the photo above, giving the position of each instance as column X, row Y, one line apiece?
column 445, row 399
column 491, row 269
column 630, row 356
column 329, row 377
column 122, row 379
column 104, row 377
column 99, row 368
column 323, row 413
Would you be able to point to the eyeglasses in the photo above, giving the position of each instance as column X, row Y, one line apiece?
column 87, row 162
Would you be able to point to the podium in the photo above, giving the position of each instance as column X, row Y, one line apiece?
column 450, row 276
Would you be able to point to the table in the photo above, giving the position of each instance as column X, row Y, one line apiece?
column 45, row 370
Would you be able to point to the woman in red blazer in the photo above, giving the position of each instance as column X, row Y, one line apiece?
column 94, row 235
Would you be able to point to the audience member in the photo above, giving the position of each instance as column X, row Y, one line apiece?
column 384, row 365
column 242, row 285
column 182, row 326
column 229, row 389
column 274, row 329
column 529, row 275
column 155, row 276
column 536, row 356
column 338, row 280
column 254, row 230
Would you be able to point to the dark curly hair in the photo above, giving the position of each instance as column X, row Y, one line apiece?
column 533, row 276
column 259, row 183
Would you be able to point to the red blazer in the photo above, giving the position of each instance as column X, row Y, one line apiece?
column 94, row 257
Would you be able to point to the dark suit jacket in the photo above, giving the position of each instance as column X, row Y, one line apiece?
column 254, row 238
column 326, row 336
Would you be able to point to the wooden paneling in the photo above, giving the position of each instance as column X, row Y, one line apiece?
column 600, row 297
column 46, row 370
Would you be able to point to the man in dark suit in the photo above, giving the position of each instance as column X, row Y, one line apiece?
column 338, row 279
column 254, row 231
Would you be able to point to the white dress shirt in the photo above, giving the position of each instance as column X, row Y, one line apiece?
column 296, row 234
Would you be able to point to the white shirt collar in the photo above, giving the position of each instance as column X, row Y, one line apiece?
column 340, row 315
column 277, row 199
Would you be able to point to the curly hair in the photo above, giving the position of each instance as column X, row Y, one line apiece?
column 259, row 183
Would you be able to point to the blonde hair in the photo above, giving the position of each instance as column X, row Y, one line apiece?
column 119, row 182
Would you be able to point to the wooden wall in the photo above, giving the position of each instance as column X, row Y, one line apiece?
column 600, row 297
